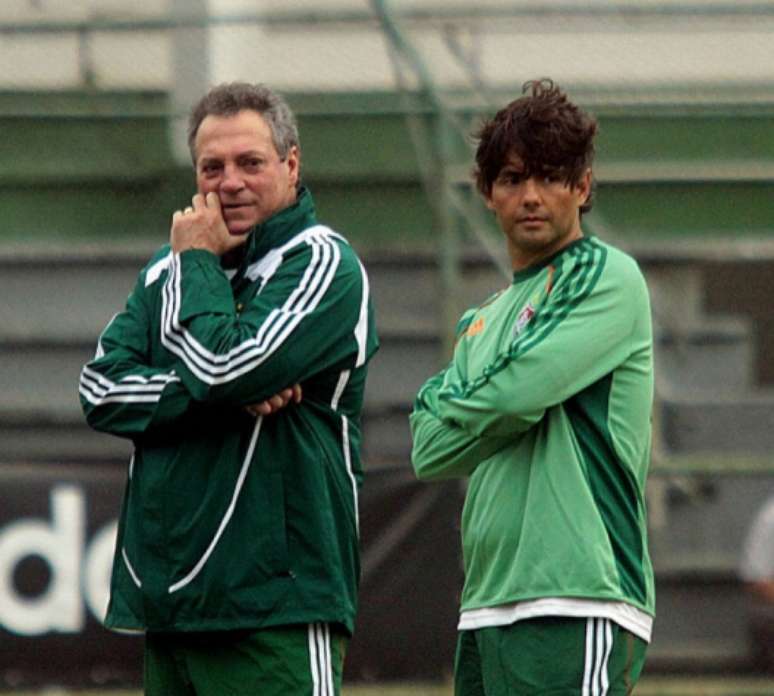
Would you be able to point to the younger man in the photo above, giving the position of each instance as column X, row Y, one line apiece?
column 545, row 408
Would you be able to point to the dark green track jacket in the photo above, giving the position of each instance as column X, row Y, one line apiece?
column 231, row 521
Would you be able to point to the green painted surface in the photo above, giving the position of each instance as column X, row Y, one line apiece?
column 74, row 103
column 54, row 150
column 686, row 136
column 680, row 209
column 375, row 214
column 75, row 165
column 93, row 209
column 375, row 146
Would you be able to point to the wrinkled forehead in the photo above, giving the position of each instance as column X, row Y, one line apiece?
column 240, row 132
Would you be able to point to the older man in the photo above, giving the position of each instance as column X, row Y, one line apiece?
column 237, row 368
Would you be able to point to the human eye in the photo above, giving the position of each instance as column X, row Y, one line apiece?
column 252, row 164
column 554, row 176
column 210, row 168
column 510, row 178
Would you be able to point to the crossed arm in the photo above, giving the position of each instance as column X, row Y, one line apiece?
column 122, row 390
column 463, row 415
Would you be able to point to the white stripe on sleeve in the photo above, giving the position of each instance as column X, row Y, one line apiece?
column 212, row 368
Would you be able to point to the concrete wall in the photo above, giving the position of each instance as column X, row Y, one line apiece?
column 691, row 47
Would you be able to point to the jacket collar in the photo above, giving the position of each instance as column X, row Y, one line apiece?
column 281, row 227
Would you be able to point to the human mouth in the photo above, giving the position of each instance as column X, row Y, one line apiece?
column 231, row 207
column 531, row 220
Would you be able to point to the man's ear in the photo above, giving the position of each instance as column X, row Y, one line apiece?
column 583, row 187
column 293, row 159
column 488, row 199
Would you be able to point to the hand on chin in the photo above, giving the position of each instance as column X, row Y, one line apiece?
column 233, row 257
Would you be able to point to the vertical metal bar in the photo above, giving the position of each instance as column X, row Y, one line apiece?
column 433, row 164
column 450, row 257
column 191, row 61
column 86, row 70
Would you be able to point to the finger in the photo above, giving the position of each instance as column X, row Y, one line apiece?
column 262, row 409
column 177, row 214
column 212, row 201
column 277, row 401
column 297, row 395
column 198, row 201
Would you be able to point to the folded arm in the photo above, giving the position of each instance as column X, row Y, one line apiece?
column 120, row 391
column 578, row 335
column 310, row 315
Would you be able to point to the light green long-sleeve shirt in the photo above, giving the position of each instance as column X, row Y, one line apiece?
column 546, row 407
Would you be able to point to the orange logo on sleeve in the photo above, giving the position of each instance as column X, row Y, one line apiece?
column 476, row 327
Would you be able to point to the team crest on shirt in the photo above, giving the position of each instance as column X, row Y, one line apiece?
column 476, row 327
column 527, row 312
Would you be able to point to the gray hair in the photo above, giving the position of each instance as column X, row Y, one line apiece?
column 228, row 99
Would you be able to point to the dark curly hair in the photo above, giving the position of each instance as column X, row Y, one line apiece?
column 545, row 130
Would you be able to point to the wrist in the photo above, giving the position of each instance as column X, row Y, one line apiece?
column 200, row 255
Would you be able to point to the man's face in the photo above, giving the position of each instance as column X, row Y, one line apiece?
column 539, row 215
column 236, row 158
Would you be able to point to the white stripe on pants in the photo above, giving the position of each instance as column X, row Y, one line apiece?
column 320, row 659
column 599, row 644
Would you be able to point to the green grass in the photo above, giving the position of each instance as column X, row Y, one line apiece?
column 705, row 686
column 398, row 690
column 651, row 686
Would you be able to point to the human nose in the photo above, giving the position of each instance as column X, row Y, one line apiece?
column 232, row 180
column 530, row 192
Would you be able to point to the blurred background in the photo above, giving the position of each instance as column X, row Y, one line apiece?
column 94, row 95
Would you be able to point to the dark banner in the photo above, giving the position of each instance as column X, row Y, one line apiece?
column 412, row 577
column 57, row 533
